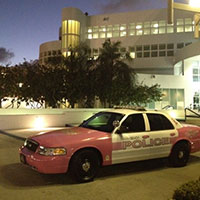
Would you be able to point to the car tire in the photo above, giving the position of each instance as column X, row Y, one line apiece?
column 84, row 165
column 179, row 155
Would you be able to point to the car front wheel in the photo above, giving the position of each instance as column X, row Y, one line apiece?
column 84, row 165
column 179, row 155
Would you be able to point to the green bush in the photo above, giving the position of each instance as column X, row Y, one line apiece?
column 188, row 191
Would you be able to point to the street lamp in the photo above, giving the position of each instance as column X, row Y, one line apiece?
column 194, row 6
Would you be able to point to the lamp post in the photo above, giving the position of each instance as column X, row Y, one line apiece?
column 194, row 6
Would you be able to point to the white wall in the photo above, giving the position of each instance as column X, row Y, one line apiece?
column 25, row 118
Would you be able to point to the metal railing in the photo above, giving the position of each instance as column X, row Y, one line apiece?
column 193, row 115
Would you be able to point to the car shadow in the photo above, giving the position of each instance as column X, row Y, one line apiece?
column 140, row 167
column 19, row 175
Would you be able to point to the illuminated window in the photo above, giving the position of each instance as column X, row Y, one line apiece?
column 162, row 30
column 109, row 28
column 147, row 31
column 102, row 35
column 131, row 32
column 139, row 32
column 116, row 34
column 89, row 30
column 73, row 27
column 139, row 26
column 170, row 29
column 95, row 29
column 154, row 31
column 131, row 26
column 95, row 35
column 179, row 22
column 179, row 29
column 188, row 28
column 109, row 34
column 162, row 23
column 123, row 27
column 123, row 33
column 154, row 24
column 188, row 21
column 102, row 29
column 116, row 27
column 70, row 34
column 147, row 25
column 89, row 36
column 196, row 71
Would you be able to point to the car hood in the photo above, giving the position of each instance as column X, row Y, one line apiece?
column 63, row 137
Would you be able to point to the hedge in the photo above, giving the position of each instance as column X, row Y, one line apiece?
column 188, row 191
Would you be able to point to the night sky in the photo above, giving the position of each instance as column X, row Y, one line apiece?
column 25, row 24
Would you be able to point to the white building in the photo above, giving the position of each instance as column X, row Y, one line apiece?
column 164, row 54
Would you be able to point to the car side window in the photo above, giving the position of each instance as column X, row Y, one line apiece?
column 134, row 123
column 159, row 122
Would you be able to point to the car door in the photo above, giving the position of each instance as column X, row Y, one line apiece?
column 161, row 133
column 128, row 145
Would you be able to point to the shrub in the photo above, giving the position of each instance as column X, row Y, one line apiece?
column 188, row 191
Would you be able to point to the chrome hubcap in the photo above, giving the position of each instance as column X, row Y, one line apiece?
column 181, row 154
column 86, row 166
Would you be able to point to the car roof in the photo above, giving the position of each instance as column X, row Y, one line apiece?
column 129, row 111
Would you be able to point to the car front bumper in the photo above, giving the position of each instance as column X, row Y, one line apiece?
column 44, row 164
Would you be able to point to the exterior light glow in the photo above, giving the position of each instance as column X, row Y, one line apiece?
column 39, row 123
column 194, row 3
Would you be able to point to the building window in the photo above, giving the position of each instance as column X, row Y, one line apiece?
column 109, row 28
column 154, row 54
column 146, row 47
column 102, row 35
column 95, row 35
column 154, row 47
column 123, row 27
column 89, row 36
column 162, row 46
column 109, row 34
column 188, row 28
column 116, row 27
column 180, row 29
column 170, row 53
column 131, row 32
column 162, row 53
column 123, row 34
column 147, row 31
column 115, row 33
column 102, row 29
column 146, row 54
column 162, row 30
column 170, row 29
column 196, row 72
column 170, row 46
column 180, row 45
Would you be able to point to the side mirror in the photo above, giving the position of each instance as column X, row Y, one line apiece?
column 116, row 123
column 122, row 129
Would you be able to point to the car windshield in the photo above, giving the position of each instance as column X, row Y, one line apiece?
column 102, row 121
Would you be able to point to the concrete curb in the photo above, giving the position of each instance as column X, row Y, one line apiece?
column 12, row 135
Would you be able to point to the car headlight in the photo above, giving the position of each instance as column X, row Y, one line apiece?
column 58, row 151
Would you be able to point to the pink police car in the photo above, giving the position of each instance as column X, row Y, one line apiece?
column 111, row 137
